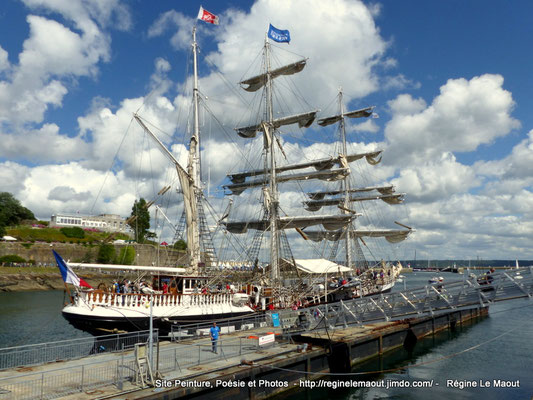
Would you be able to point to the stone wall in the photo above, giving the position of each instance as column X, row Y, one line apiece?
column 41, row 253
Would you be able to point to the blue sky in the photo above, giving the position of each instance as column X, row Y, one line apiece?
column 450, row 80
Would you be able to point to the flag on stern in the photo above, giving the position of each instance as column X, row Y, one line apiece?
column 68, row 275
column 279, row 35
column 206, row 16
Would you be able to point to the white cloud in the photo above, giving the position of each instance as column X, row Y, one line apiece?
column 168, row 21
column 436, row 179
column 54, row 54
column 4, row 62
column 45, row 144
column 463, row 116
column 106, row 13
column 71, row 187
column 12, row 176
column 399, row 82
column 66, row 194
column 368, row 126
column 347, row 40
column 515, row 167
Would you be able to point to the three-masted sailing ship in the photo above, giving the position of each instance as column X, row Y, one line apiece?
column 192, row 295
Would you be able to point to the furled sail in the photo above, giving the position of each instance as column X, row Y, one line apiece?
column 315, row 205
column 304, row 120
column 257, row 82
column 389, row 189
column 362, row 113
column 392, row 235
column 328, row 175
column 319, row 165
column 329, row 222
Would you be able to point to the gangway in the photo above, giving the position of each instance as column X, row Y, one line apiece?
column 429, row 300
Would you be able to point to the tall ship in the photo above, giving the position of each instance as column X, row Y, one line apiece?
column 264, row 241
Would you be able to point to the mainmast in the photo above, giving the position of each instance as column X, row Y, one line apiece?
column 269, row 139
column 268, row 178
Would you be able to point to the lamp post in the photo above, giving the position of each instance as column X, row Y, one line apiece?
column 151, row 335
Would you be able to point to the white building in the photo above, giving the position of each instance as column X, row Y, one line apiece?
column 103, row 222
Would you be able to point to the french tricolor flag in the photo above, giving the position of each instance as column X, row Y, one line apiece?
column 69, row 276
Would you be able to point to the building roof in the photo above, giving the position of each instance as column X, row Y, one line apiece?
column 320, row 266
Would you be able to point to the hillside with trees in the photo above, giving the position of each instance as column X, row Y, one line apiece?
column 12, row 212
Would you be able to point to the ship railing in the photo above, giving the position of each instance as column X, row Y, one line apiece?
column 133, row 300
column 41, row 353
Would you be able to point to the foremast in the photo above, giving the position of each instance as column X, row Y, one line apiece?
column 193, row 168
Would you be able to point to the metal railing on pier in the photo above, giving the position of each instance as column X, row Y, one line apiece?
column 41, row 353
column 428, row 300
column 117, row 369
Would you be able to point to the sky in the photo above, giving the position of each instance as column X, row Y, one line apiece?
column 450, row 81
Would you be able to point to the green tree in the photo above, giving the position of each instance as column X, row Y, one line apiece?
column 140, row 220
column 106, row 254
column 12, row 258
column 180, row 245
column 11, row 211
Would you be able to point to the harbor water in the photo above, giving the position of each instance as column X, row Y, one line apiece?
column 465, row 364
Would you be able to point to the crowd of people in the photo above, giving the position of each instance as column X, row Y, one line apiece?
column 138, row 287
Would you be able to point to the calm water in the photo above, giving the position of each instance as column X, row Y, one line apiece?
column 35, row 317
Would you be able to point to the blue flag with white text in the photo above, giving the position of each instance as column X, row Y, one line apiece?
column 279, row 35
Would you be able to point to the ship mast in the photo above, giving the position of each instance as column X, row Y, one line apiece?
column 190, row 177
column 269, row 140
column 193, row 166
column 346, row 184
